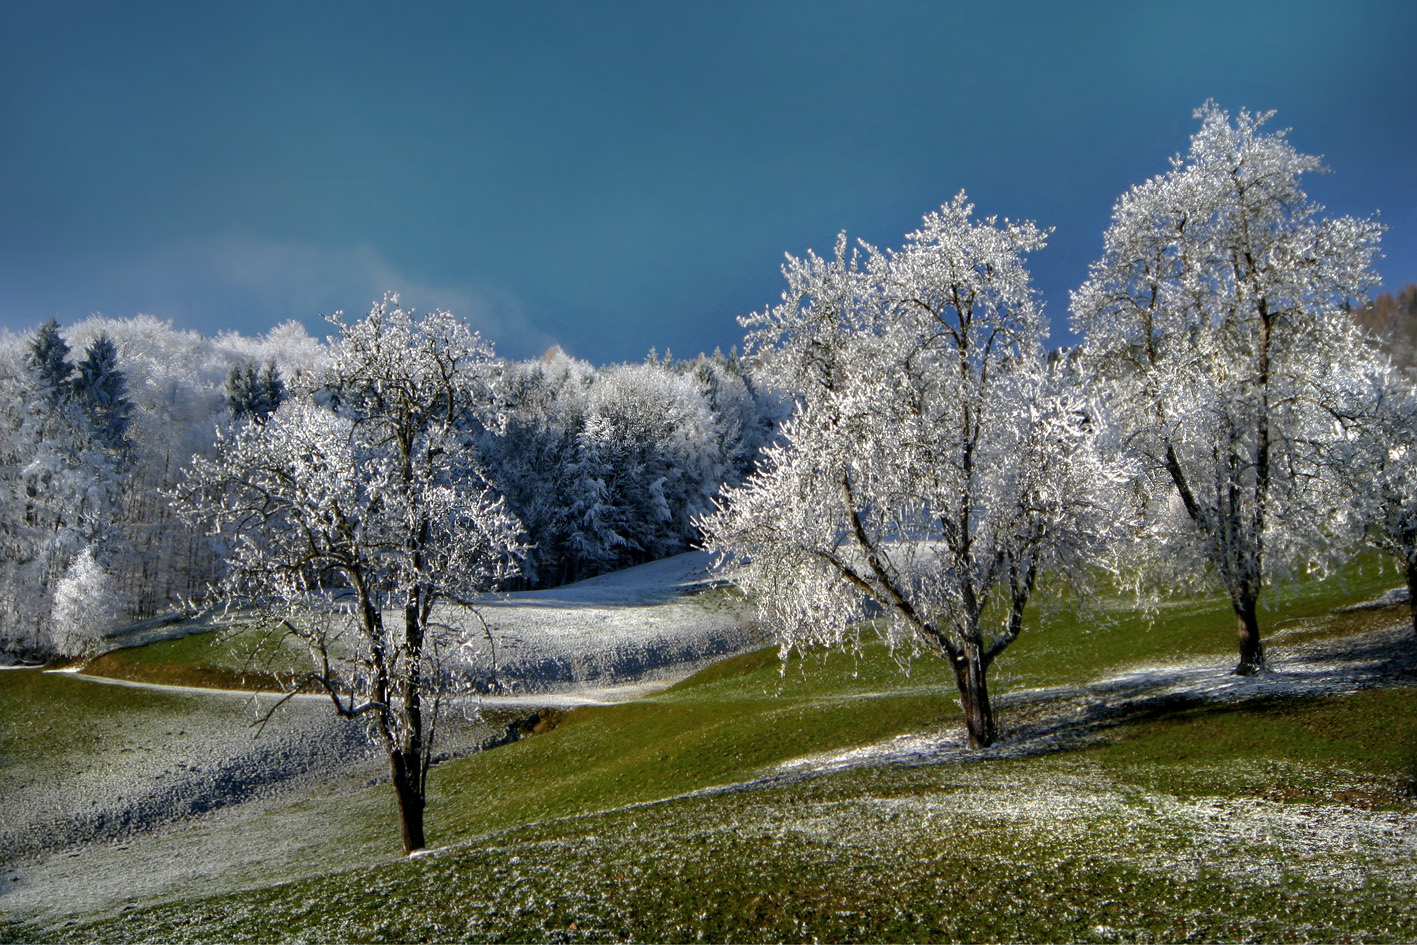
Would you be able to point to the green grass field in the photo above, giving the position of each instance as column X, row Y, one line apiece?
column 244, row 656
column 1280, row 819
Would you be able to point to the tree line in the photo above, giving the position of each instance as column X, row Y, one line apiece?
column 603, row 467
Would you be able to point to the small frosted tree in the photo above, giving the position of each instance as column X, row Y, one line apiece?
column 84, row 607
column 933, row 468
column 1213, row 322
column 349, row 524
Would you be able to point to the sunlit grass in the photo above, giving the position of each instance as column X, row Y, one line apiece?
column 1068, row 641
column 245, row 655
column 735, row 720
column 744, row 716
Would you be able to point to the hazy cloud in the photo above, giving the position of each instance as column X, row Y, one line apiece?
column 251, row 285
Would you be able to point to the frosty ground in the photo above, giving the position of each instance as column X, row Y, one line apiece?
column 1136, row 797
column 175, row 786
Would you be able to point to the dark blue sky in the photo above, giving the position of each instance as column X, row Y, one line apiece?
column 612, row 177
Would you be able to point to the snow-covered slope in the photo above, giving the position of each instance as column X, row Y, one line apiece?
column 658, row 620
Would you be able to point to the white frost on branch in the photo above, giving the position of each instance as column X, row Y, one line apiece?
column 357, row 508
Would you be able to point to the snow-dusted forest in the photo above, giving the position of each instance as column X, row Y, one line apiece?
column 603, row 467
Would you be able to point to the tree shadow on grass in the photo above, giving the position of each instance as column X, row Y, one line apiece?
column 1064, row 718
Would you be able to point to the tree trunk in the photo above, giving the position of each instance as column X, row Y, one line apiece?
column 1412, row 591
column 974, row 697
column 1247, row 629
column 405, row 771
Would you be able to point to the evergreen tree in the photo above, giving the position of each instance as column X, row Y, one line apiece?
column 102, row 389
column 49, row 358
column 252, row 395
column 240, row 387
column 268, row 392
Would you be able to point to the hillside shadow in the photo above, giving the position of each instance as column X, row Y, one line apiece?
column 1065, row 718
column 1060, row 718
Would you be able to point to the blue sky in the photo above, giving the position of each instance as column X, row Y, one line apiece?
column 612, row 177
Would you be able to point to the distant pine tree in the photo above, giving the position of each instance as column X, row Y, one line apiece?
column 49, row 359
column 252, row 395
column 268, row 393
column 102, row 389
column 240, row 385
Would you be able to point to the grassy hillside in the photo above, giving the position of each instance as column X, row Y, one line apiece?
column 745, row 716
column 235, row 656
column 1063, row 848
column 1276, row 818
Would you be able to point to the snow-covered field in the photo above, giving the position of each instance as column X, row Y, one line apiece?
column 171, row 799
column 653, row 623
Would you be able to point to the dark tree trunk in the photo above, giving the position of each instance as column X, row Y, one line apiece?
column 1412, row 591
column 974, row 697
column 409, row 791
column 1247, row 629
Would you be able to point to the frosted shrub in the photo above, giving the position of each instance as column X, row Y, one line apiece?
column 84, row 606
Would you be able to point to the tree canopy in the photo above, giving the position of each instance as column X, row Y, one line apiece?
column 1215, row 321
column 933, row 467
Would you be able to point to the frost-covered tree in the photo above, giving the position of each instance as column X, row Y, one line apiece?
column 67, row 484
column 49, row 358
column 1374, row 465
column 351, row 523
column 176, row 387
column 269, row 390
column 60, row 485
column 649, row 459
column 84, row 606
column 1218, row 309
column 932, row 469
column 252, row 394
column 37, row 492
column 607, row 468
column 531, row 457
